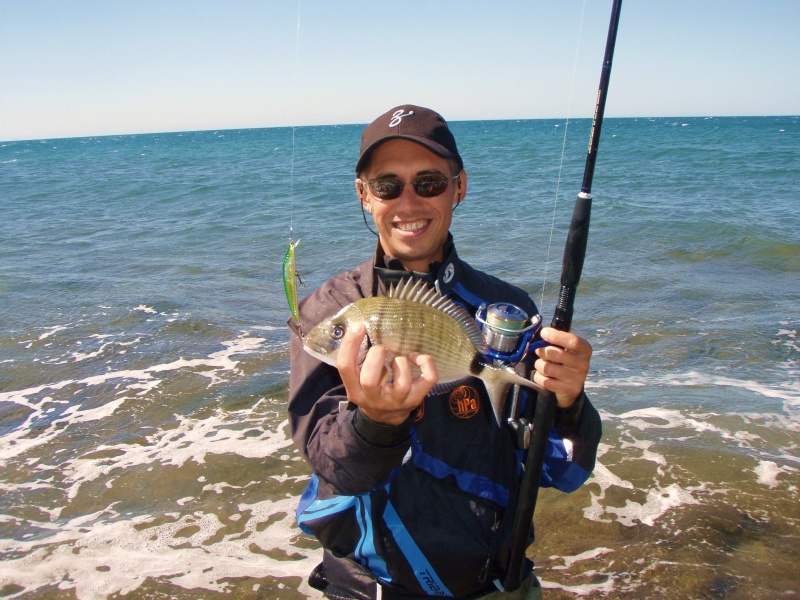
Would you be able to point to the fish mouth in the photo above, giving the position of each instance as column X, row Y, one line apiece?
column 317, row 350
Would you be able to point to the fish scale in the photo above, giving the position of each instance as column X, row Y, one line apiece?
column 405, row 326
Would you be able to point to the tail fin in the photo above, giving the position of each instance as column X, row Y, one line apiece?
column 498, row 390
column 498, row 381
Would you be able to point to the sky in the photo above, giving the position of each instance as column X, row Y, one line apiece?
column 102, row 67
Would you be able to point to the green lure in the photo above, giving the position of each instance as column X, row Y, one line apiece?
column 290, row 279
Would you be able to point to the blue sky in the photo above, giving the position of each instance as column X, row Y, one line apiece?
column 92, row 67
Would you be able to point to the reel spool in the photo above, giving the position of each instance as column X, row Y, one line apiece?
column 508, row 330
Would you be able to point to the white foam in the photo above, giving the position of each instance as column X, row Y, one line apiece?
column 117, row 556
column 604, row 587
column 767, row 473
column 603, row 477
column 588, row 555
column 105, row 553
column 789, row 392
column 664, row 496
column 79, row 356
column 659, row 499
column 658, row 502
column 647, row 454
column 142, row 381
column 191, row 440
column 657, row 418
column 146, row 309
column 51, row 331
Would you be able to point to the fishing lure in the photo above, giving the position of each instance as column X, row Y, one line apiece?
column 290, row 279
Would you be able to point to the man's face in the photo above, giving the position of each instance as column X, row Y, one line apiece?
column 412, row 229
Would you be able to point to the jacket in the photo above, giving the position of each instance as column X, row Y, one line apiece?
column 418, row 509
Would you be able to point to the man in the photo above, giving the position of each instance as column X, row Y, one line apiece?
column 414, row 487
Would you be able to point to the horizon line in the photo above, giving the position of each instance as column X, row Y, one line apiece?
column 349, row 124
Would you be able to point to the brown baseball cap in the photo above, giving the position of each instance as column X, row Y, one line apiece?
column 409, row 122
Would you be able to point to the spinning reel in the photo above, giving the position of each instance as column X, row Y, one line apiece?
column 508, row 331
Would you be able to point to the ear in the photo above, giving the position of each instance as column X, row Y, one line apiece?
column 461, row 187
column 362, row 196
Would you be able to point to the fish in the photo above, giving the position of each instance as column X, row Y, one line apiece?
column 290, row 279
column 414, row 317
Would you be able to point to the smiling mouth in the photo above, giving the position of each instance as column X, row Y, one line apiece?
column 415, row 226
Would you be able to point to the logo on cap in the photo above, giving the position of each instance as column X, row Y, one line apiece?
column 398, row 116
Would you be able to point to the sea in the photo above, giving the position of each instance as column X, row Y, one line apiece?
column 144, row 445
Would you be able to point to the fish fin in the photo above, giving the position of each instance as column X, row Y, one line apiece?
column 498, row 381
column 419, row 291
column 447, row 386
column 497, row 389
column 519, row 380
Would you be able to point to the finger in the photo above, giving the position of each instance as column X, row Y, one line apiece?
column 373, row 371
column 566, row 382
column 568, row 341
column 347, row 355
column 554, row 354
column 347, row 360
column 566, row 392
column 402, row 379
column 428, row 378
column 554, row 370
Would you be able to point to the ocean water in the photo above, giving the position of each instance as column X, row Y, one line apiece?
column 144, row 450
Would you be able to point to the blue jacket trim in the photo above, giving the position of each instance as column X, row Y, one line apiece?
column 479, row 486
column 365, row 551
column 310, row 509
column 558, row 471
column 467, row 296
column 423, row 571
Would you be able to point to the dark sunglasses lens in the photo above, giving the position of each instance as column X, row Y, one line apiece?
column 426, row 186
column 429, row 186
column 386, row 189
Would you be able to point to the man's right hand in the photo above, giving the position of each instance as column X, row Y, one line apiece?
column 381, row 400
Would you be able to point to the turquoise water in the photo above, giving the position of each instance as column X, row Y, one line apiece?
column 144, row 356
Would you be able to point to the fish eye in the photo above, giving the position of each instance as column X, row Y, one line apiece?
column 338, row 332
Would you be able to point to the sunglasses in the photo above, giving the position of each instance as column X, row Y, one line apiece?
column 426, row 186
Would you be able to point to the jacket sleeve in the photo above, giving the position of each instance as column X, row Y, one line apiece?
column 572, row 446
column 345, row 449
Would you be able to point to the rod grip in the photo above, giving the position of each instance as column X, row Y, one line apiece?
column 572, row 265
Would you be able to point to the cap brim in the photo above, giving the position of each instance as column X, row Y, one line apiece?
column 434, row 147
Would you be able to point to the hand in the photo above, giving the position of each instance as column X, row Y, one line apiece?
column 369, row 387
column 562, row 368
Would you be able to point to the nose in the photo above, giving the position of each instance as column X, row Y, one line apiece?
column 408, row 196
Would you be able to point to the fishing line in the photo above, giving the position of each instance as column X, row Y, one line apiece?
column 294, row 125
column 563, row 154
column 289, row 272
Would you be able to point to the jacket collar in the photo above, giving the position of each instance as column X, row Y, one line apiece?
column 442, row 275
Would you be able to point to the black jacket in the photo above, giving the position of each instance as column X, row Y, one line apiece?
column 420, row 507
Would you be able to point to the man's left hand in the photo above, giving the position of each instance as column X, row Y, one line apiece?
column 562, row 367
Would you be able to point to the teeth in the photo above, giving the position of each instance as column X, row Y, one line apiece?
column 411, row 226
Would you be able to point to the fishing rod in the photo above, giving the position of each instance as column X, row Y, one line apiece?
column 572, row 265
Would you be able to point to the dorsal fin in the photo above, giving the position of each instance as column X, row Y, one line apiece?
column 420, row 291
